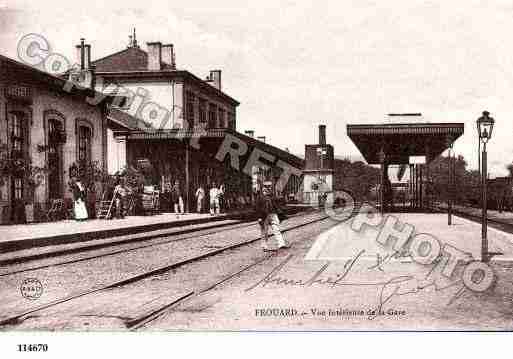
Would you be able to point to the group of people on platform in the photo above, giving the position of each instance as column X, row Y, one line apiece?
column 267, row 209
column 214, row 199
column 172, row 198
column 84, row 200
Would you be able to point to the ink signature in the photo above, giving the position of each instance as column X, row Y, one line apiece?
column 394, row 287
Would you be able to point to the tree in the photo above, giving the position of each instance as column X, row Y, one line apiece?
column 13, row 163
column 509, row 167
column 357, row 178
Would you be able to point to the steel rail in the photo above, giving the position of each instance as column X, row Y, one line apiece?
column 135, row 278
column 143, row 238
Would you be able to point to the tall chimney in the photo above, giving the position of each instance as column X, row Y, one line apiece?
column 84, row 75
column 81, row 53
column 322, row 134
column 249, row 133
column 261, row 138
column 87, row 56
column 215, row 77
column 168, row 55
column 154, row 56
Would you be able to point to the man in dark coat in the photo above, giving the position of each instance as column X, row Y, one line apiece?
column 267, row 212
column 176, row 198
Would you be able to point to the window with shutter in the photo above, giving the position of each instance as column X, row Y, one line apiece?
column 84, row 144
column 18, row 149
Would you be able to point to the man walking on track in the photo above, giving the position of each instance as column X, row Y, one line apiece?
column 267, row 211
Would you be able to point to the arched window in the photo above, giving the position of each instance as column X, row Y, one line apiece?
column 85, row 134
column 18, row 140
column 55, row 125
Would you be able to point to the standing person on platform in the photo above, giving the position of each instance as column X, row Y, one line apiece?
column 165, row 201
column 214, row 199
column 267, row 212
column 176, row 198
column 200, row 196
column 91, row 200
column 79, row 196
column 222, row 198
column 119, row 199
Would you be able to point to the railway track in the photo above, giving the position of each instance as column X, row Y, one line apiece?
column 23, row 259
column 502, row 225
column 96, row 247
column 152, row 315
column 136, row 323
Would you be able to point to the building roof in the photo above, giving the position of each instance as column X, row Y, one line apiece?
column 402, row 140
column 132, row 63
column 21, row 73
column 156, row 134
column 122, row 121
column 129, row 59
column 288, row 157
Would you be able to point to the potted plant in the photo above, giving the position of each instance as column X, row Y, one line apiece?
column 35, row 176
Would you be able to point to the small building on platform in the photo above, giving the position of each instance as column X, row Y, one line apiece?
column 319, row 170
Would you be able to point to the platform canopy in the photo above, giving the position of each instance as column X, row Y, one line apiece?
column 400, row 141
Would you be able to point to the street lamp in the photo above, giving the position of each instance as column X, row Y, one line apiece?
column 449, row 185
column 484, row 128
column 381, row 157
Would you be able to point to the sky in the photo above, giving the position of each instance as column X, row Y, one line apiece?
column 296, row 64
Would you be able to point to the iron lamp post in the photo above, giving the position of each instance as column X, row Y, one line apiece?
column 484, row 127
column 381, row 156
column 450, row 186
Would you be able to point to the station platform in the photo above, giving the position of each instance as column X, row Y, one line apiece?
column 504, row 216
column 339, row 288
column 463, row 234
column 24, row 236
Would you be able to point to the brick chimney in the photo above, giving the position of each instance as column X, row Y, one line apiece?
column 80, row 48
column 168, row 55
column 322, row 134
column 215, row 77
column 87, row 56
column 249, row 133
column 84, row 74
column 154, row 56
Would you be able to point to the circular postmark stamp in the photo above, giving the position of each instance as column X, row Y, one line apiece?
column 31, row 288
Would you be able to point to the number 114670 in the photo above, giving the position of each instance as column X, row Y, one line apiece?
column 32, row 347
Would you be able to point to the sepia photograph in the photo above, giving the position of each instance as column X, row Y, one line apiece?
column 264, row 167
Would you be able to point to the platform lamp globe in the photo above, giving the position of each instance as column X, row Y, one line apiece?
column 484, row 128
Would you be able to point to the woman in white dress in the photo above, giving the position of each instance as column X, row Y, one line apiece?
column 79, row 196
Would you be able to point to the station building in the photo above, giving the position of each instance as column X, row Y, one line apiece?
column 185, row 127
column 44, row 124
